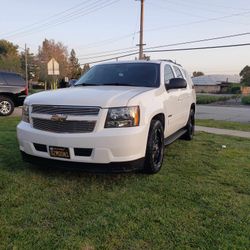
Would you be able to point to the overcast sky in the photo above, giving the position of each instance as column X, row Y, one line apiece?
column 95, row 26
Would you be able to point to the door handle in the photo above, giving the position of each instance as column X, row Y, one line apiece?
column 180, row 98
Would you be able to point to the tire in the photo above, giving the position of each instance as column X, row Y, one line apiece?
column 190, row 127
column 155, row 148
column 6, row 106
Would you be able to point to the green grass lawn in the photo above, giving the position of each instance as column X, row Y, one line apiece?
column 206, row 99
column 200, row 199
column 223, row 124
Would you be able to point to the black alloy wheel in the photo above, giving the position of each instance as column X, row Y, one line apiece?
column 155, row 148
column 190, row 126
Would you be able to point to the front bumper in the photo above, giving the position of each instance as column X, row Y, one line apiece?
column 109, row 145
column 114, row 167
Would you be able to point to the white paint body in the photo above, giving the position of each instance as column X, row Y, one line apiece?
column 109, row 144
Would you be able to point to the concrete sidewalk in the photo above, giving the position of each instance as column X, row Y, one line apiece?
column 220, row 131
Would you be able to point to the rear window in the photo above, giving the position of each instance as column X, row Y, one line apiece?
column 13, row 79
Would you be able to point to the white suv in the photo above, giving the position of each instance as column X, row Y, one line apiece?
column 118, row 114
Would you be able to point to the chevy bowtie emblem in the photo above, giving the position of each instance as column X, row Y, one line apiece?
column 58, row 118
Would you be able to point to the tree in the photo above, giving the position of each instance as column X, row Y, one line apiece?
column 51, row 49
column 32, row 65
column 245, row 76
column 86, row 68
column 198, row 73
column 9, row 57
column 74, row 71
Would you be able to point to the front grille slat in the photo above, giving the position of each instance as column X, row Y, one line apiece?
column 66, row 110
column 64, row 126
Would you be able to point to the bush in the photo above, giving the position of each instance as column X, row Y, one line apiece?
column 206, row 99
column 235, row 90
column 245, row 100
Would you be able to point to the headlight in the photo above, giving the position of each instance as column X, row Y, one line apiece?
column 25, row 113
column 123, row 117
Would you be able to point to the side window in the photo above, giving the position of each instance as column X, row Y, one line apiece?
column 177, row 72
column 14, row 79
column 184, row 73
column 2, row 82
column 168, row 73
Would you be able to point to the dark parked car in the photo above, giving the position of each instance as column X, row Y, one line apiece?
column 13, row 91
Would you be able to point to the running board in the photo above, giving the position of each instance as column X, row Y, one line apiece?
column 174, row 136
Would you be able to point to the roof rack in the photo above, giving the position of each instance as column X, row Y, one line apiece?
column 171, row 61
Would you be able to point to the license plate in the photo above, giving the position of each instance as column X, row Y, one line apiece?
column 59, row 152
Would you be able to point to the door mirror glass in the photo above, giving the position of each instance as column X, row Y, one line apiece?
column 176, row 83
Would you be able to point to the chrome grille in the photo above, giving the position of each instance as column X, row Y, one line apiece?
column 64, row 126
column 65, row 110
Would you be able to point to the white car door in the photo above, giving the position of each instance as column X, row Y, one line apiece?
column 183, row 100
column 171, row 103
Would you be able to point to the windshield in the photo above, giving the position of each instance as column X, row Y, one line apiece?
column 123, row 74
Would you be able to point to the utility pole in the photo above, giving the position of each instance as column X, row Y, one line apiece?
column 141, row 44
column 26, row 66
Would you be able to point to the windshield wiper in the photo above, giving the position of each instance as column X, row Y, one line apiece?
column 84, row 84
column 117, row 84
column 106, row 84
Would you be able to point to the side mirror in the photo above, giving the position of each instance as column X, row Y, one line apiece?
column 176, row 83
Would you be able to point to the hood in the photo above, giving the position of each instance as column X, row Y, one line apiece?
column 102, row 96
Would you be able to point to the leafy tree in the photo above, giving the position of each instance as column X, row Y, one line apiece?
column 75, row 70
column 198, row 73
column 245, row 76
column 86, row 67
column 9, row 57
column 51, row 49
column 32, row 65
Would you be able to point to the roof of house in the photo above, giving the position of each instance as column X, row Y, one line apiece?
column 215, row 79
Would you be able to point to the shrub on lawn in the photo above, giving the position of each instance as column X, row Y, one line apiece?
column 205, row 99
column 235, row 90
column 245, row 100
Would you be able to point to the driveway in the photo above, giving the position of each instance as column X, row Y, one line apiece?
column 17, row 112
column 235, row 114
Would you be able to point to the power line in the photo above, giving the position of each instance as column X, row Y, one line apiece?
column 45, row 19
column 201, row 48
column 184, row 24
column 202, row 40
column 197, row 22
column 100, row 54
column 177, row 49
column 111, row 54
column 97, row 5
column 106, row 41
column 93, row 7
column 168, row 45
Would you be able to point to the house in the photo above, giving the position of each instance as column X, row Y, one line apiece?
column 214, row 83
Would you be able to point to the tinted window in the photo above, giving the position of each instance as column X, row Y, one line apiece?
column 168, row 74
column 132, row 74
column 2, row 82
column 13, row 79
column 178, row 72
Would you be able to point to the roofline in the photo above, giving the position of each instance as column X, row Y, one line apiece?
column 142, row 61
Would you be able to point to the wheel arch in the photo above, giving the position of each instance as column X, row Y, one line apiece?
column 160, row 117
column 9, row 95
column 193, row 107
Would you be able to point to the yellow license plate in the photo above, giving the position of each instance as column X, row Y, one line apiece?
column 59, row 152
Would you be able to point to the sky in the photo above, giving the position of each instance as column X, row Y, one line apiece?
column 97, row 27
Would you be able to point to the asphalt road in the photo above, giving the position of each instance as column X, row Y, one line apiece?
column 235, row 114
